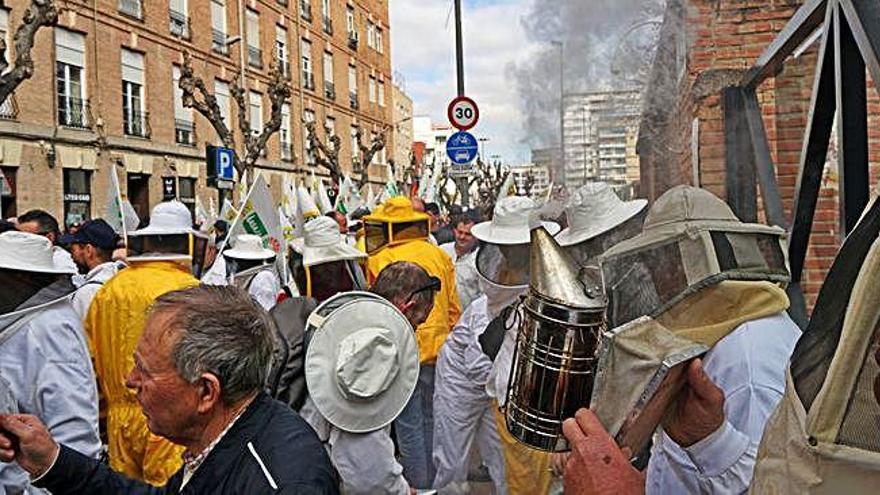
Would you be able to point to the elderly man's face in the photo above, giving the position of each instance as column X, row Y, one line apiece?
column 168, row 401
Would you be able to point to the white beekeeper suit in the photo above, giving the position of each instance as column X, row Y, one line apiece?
column 259, row 281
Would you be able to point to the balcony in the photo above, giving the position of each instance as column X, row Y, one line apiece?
column 327, row 22
column 179, row 24
column 218, row 42
column 131, row 8
column 305, row 10
column 353, row 39
column 184, row 132
column 309, row 81
column 9, row 108
column 286, row 151
column 353, row 101
column 136, row 123
column 255, row 57
column 329, row 90
column 73, row 112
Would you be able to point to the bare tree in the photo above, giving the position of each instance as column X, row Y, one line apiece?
column 328, row 157
column 38, row 14
column 196, row 95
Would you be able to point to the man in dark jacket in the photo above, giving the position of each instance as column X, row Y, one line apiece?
column 200, row 365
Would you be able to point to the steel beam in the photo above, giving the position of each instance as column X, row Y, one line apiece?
column 864, row 20
column 763, row 161
column 813, row 152
column 740, row 183
column 806, row 20
column 852, row 124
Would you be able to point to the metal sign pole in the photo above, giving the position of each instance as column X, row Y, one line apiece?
column 461, row 182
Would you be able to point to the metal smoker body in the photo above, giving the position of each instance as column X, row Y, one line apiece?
column 553, row 369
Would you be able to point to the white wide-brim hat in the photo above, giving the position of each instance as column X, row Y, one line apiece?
column 512, row 222
column 593, row 210
column 362, row 365
column 167, row 218
column 248, row 247
column 323, row 243
column 29, row 253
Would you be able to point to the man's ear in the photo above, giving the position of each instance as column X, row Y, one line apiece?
column 405, row 305
column 209, row 392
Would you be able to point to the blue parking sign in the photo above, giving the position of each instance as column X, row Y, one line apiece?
column 461, row 148
column 225, row 162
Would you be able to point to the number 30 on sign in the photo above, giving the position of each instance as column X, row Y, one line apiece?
column 463, row 113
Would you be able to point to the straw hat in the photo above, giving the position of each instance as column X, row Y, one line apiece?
column 248, row 247
column 593, row 210
column 511, row 222
column 167, row 218
column 362, row 364
column 322, row 243
column 28, row 253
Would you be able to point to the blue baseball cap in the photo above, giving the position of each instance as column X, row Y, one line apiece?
column 96, row 232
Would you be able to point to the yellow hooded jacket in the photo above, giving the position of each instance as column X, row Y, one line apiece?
column 113, row 326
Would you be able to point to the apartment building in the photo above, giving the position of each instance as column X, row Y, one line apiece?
column 402, row 115
column 104, row 94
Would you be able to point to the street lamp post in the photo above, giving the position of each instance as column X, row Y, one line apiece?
column 561, row 109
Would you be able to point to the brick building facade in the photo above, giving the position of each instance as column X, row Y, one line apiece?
column 104, row 93
column 704, row 47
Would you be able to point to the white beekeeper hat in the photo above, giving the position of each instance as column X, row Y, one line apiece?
column 362, row 364
column 167, row 218
column 593, row 210
column 248, row 247
column 322, row 243
column 511, row 222
column 28, row 253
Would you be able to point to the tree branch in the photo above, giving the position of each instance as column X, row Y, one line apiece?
column 324, row 156
column 197, row 96
column 39, row 13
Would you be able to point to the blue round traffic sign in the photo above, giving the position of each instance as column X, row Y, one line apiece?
column 462, row 148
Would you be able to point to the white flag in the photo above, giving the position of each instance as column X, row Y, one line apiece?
column 115, row 212
column 259, row 217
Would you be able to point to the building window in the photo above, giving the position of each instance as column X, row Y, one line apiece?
column 8, row 108
column 218, row 26
column 70, row 78
column 305, row 8
column 371, row 34
column 131, row 8
column 351, row 28
column 379, row 40
column 381, row 94
column 308, row 76
column 134, row 116
column 284, row 133
column 355, row 149
column 184, row 126
column 281, row 51
column 256, row 113
column 329, row 86
column 179, row 20
column 352, row 87
column 221, row 92
column 308, row 117
column 330, row 128
column 8, row 205
column 371, row 89
column 255, row 55
column 186, row 193
column 326, row 20
column 77, row 196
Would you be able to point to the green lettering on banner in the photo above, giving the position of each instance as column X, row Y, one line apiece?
column 254, row 225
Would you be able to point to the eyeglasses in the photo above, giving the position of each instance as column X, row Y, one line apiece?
column 432, row 285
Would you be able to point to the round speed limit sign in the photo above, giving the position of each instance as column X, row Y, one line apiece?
column 463, row 113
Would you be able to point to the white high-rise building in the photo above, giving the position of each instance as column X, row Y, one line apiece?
column 434, row 137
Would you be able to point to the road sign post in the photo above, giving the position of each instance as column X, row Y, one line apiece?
column 221, row 169
column 463, row 113
column 461, row 148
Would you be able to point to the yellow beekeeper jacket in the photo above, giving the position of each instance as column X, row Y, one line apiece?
column 113, row 325
column 447, row 308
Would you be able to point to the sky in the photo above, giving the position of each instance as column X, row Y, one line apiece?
column 423, row 52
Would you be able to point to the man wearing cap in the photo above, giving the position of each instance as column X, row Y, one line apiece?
column 465, row 408
column 92, row 249
column 161, row 259
column 707, row 277
column 463, row 252
column 396, row 232
column 251, row 267
column 44, row 357
column 362, row 366
column 597, row 219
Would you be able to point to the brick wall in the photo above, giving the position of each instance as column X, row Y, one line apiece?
column 724, row 38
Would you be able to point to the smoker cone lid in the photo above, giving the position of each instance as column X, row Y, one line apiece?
column 555, row 276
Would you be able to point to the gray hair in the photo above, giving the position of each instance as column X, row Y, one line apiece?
column 219, row 330
column 400, row 279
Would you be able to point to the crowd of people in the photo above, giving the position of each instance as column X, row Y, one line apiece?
column 376, row 356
